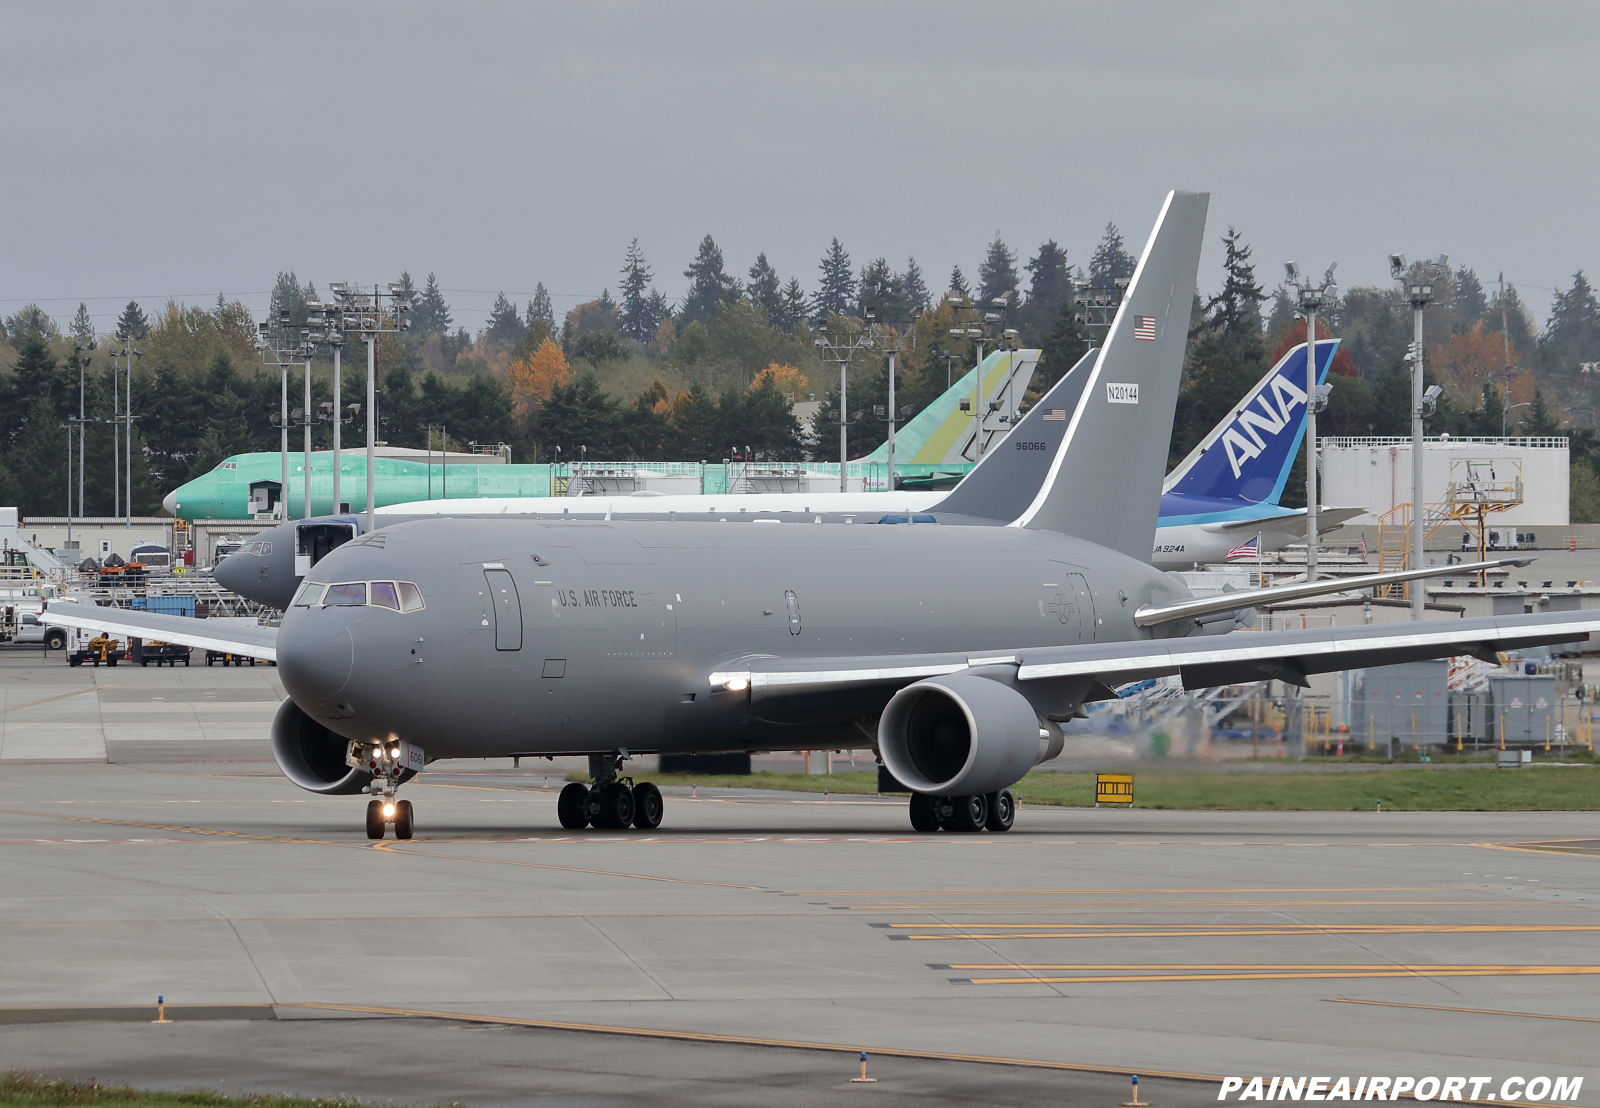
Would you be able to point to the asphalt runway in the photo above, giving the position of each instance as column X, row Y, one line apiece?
column 750, row 946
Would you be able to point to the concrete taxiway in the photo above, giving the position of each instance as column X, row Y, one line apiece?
column 754, row 941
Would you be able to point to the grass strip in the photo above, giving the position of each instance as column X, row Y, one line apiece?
column 1422, row 788
column 23, row 1090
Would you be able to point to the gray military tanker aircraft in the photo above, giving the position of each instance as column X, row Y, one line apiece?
column 271, row 566
column 953, row 652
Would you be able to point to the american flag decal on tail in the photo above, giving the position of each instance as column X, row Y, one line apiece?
column 1056, row 415
column 1145, row 329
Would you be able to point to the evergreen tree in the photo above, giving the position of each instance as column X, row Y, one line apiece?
column 133, row 323
column 1471, row 303
column 1540, row 420
column 882, row 291
column 915, row 288
column 578, row 415
column 505, row 325
column 408, row 288
column 430, row 315
column 1063, row 346
column 958, row 282
column 709, row 285
column 764, row 290
column 997, row 276
column 286, row 297
column 796, row 307
column 637, row 321
column 1050, row 280
column 657, row 310
column 837, row 290
column 539, row 307
column 1283, row 313
column 1110, row 259
column 1237, row 308
column 1572, row 333
column 83, row 326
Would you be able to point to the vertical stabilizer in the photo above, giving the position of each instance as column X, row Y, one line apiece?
column 1104, row 483
column 1247, row 457
column 1013, row 471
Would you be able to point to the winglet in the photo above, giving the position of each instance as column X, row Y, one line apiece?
column 1118, row 435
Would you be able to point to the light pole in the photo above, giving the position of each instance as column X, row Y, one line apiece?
column 841, row 352
column 1505, row 410
column 358, row 312
column 124, row 462
column 1311, row 298
column 974, row 323
column 890, row 340
column 81, row 355
column 1419, row 290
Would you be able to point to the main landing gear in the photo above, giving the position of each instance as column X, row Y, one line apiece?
column 995, row 811
column 388, row 762
column 612, row 802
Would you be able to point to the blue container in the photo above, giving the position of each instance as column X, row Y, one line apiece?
column 165, row 605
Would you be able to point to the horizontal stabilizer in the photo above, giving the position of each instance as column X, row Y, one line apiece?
column 1280, row 594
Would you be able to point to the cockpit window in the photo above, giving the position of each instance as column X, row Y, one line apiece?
column 398, row 596
column 348, row 593
column 410, row 597
column 262, row 549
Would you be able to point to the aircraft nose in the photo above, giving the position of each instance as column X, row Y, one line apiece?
column 315, row 655
column 232, row 573
column 170, row 502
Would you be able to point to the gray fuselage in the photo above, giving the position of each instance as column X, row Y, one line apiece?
column 607, row 632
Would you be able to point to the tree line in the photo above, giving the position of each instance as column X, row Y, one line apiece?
column 717, row 370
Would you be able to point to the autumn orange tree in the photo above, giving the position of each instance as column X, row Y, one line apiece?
column 532, row 378
column 1473, row 359
column 784, row 379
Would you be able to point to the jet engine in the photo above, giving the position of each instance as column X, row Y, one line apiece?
column 962, row 734
column 312, row 756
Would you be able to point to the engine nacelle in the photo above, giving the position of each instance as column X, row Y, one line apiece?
column 962, row 734
column 312, row 756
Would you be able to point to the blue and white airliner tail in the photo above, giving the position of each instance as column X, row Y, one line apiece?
column 1227, row 490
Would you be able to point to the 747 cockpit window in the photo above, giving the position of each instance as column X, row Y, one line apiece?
column 399, row 596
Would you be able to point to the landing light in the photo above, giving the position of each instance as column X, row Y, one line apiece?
column 395, row 752
column 736, row 684
column 388, row 810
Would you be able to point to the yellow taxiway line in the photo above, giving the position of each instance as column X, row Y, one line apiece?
column 1297, row 974
column 1470, row 1011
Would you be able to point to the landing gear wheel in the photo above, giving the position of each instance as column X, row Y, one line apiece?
column 967, row 813
column 375, row 819
column 616, row 807
column 402, row 819
column 572, row 808
column 923, row 816
column 647, row 806
column 1002, row 810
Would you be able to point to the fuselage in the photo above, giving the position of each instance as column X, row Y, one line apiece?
column 541, row 637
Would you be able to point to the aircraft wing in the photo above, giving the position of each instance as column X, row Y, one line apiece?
column 808, row 690
column 231, row 638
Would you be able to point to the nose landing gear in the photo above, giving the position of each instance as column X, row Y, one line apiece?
column 612, row 802
column 388, row 762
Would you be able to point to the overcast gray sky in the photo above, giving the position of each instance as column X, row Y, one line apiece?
column 178, row 149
